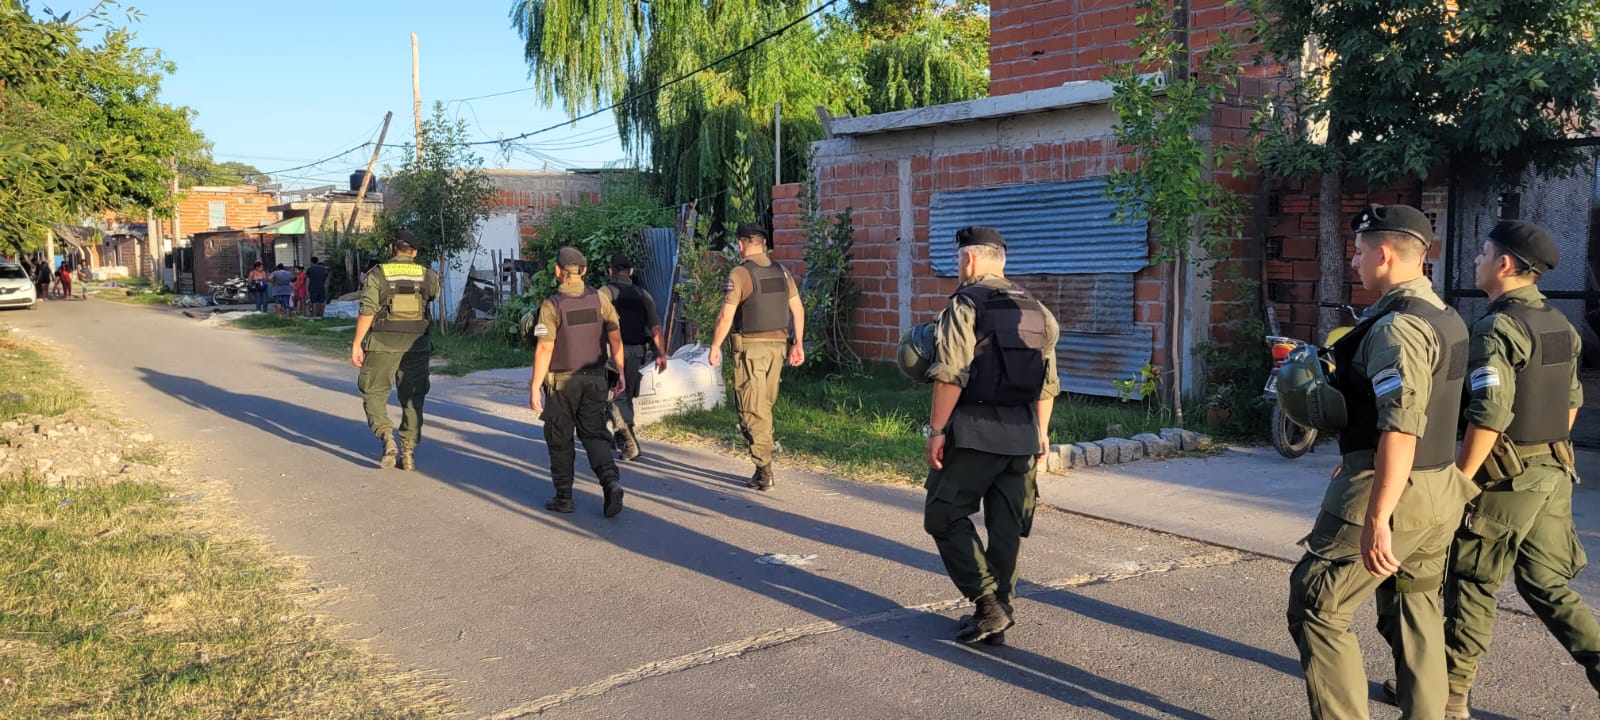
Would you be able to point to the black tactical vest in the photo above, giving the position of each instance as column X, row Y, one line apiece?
column 1437, row 447
column 629, row 301
column 767, row 308
column 404, row 308
column 580, row 338
column 1008, row 362
column 1540, row 412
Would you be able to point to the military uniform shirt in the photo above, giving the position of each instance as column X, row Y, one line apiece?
column 652, row 318
column 1500, row 346
column 739, row 288
column 550, row 320
column 372, row 301
column 994, row 429
column 1398, row 356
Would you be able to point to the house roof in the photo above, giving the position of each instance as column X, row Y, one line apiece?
column 1072, row 94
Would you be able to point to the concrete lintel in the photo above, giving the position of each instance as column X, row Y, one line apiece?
column 1072, row 94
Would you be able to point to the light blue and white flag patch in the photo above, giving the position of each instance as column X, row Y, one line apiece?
column 1386, row 382
column 1484, row 378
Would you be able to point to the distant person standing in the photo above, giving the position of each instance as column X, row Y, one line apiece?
column 64, row 274
column 392, row 347
column 282, row 288
column 299, row 290
column 260, row 286
column 316, row 287
column 41, row 279
column 641, row 327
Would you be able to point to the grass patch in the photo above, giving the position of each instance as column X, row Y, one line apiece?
column 117, row 602
column 145, row 455
column 869, row 426
column 454, row 354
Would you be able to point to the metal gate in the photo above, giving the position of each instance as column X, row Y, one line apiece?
column 1569, row 207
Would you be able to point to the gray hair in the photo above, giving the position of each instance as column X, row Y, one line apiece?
column 986, row 253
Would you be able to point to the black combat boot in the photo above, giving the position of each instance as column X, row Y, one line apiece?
column 762, row 479
column 628, row 442
column 561, row 503
column 390, row 452
column 988, row 620
column 613, row 493
column 998, row 639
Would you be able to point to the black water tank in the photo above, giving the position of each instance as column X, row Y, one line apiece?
column 355, row 180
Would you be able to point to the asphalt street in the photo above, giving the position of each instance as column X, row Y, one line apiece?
column 675, row 609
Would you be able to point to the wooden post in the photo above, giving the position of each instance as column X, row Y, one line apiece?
column 361, row 192
column 416, row 94
column 777, row 144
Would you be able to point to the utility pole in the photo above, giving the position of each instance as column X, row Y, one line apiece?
column 416, row 94
column 777, row 144
column 361, row 192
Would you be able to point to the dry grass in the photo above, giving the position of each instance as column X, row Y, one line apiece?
column 145, row 600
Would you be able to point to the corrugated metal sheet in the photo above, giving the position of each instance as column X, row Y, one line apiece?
column 1090, row 363
column 1050, row 228
column 656, row 278
column 1084, row 303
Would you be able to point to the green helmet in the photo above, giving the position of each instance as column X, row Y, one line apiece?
column 916, row 351
column 1305, row 393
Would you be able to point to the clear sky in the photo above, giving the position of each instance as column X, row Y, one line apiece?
column 285, row 83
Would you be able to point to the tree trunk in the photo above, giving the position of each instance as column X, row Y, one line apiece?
column 1330, row 252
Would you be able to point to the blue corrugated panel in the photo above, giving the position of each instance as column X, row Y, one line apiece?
column 1050, row 228
column 656, row 278
column 1091, row 363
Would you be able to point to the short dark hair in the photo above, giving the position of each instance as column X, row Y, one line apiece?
column 280, row 266
column 314, row 260
column 1521, row 265
column 1405, row 245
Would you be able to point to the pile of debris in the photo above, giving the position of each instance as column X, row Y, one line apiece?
column 76, row 449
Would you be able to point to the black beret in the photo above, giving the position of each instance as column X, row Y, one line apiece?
column 751, row 229
column 1527, row 242
column 404, row 239
column 620, row 261
column 980, row 235
column 571, row 258
column 1394, row 218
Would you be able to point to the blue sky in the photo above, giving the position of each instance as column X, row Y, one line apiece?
column 285, row 83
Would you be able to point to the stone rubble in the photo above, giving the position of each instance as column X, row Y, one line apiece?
column 76, row 449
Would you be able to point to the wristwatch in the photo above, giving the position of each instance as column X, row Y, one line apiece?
column 929, row 431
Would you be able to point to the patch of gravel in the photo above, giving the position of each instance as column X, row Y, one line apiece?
column 76, row 449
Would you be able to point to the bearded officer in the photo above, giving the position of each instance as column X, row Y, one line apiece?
column 577, row 332
column 1523, row 396
column 641, row 327
column 994, row 387
column 392, row 348
column 1390, row 509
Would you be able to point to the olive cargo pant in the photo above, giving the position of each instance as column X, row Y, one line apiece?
column 632, row 371
column 756, row 368
column 576, row 402
column 407, row 374
column 1521, row 528
column 1004, row 486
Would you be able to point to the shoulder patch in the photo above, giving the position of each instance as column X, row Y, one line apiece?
column 728, row 286
column 1386, row 382
column 541, row 330
column 1484, row 378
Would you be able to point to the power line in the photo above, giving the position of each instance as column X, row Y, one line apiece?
column 670, row 83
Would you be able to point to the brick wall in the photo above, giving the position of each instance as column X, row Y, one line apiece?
column 245, row 208
column 216, row 257
column 1291, row 266
column 870, row 186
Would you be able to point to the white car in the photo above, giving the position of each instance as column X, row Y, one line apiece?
column 16, row 288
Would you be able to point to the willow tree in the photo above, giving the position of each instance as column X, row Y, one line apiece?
column 708, row 135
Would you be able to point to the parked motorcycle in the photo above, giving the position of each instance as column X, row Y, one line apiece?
column 232, row 291
column 1289, row 438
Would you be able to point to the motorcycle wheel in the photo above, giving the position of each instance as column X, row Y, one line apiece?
column 1290, row 438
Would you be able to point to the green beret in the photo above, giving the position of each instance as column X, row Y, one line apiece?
column 571, row 259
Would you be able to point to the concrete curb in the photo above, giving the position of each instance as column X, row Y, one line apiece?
column 1113, row 450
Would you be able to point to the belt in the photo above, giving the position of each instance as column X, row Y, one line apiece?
column 597, row 371
column 1535, row 449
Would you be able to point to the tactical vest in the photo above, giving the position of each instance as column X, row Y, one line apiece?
column 1437, row 446
column 1540, row 409
column 405, row 303
column 580, row 338
column 629, row 302
column 1008, row 362
column 767, row 308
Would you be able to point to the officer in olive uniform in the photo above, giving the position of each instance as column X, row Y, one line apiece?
column 994, row 387
column 577, row 332
column 392, row 348
column 1392, row 506
column 641, row 327
column 762, row 303
column 1523, row 395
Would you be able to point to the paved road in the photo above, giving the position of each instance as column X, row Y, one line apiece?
column 664, row 611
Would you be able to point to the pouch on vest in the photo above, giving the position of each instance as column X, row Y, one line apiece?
column 404, row 309
column 1504, row 462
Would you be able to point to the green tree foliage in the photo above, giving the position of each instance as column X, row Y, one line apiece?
column 82, row 127
column 443, row 190
column 1405, row 86
column 207, row 172
column 829, row 292
column 709, row 136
